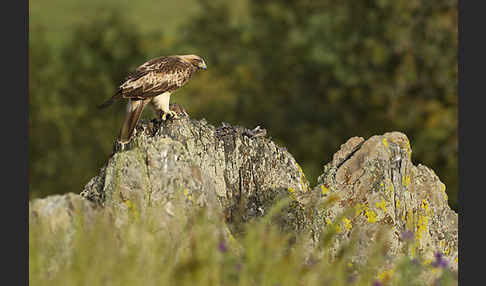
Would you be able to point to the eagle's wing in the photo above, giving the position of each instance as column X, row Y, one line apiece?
column 157, row 76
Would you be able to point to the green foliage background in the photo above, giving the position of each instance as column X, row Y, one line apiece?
column 313, row 73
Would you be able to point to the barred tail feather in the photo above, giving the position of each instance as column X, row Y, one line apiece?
column 131, row 119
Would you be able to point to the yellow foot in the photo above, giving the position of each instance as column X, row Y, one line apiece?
column 172, row 114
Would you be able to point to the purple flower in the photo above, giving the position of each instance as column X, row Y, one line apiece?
column 222, row 246
column 352, row 278
column 407, row 235
column 438, row 256
column 377, row 283
column 238, row 266
column 439, row 261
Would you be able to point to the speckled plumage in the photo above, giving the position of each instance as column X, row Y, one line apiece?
column 153, row 82
column 156, row 77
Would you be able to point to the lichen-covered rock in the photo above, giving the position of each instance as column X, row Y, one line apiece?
column 240, row 174
column 231, row 169
column 378, row 179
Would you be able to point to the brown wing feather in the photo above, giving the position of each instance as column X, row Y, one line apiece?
column 157, row 76
column 151, row 65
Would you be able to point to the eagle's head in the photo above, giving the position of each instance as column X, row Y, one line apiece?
column 197, row 61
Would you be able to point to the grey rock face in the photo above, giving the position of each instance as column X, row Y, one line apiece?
column 60, row 214
column 238, row 174
column 231, row 169
column 58, row 211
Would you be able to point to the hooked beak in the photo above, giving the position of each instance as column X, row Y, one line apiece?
column 204, row 67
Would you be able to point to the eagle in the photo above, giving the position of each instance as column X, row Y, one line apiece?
column 152, row 83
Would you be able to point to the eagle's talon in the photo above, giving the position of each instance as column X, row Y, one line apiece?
column 164, row 116
column 173, row 114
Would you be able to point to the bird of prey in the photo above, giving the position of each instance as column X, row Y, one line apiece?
column 153, row 82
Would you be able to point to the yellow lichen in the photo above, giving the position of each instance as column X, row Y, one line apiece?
column 406, row 180
column 324, row 190
column 381, row 205
column 425, row 205
column 443, row 188
column 422, row 226
column 371, row 215
column 186, row 193
column 328, row 221
column 359, row 209
column 338, row 229
column 397, row 203
column 303, row 183
column 456, row 259
column 299, row 168
column 385, row 142
column 386, row 276
column 132, row 209
column 347, row 224
column 292, row 193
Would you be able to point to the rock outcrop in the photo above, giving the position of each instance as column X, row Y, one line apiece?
column 59, row 213
column 240, row 174
column 234, row 170
column 377, row 177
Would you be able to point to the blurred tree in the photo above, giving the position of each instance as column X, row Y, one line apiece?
column 69, row 137
column 314, row 73
column 318, row 72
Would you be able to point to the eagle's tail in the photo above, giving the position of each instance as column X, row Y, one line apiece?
column 110, row 101
column 134, row 112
